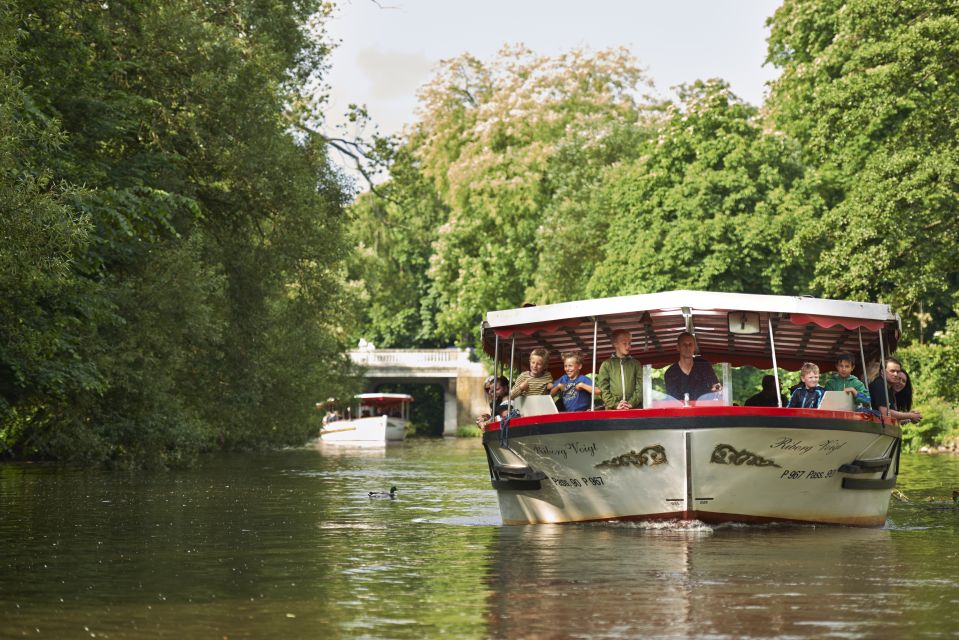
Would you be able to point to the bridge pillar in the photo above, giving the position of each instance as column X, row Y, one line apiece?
column 450, row 408
column 470, row 398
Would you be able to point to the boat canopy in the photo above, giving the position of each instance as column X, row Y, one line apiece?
column 381, row 399
column 729, row 327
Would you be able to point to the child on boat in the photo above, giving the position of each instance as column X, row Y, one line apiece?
column 845, row 381
column 809, row 395
column 536, row 381
column 620, row 377
column 576, row 389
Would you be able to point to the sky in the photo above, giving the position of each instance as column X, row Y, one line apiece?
column 388, row 48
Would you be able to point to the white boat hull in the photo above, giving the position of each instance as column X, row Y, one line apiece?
column 375, row 429
column 731, row 464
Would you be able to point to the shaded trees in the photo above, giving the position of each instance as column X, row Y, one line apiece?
column 215, row 237
column 869, row 88
column 701, row 208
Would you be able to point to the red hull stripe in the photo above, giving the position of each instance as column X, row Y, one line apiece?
column 695, row 418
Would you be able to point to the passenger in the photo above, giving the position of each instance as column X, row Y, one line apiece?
column 690, row 377
column 620, row 377
column 768, row 397
column 882, row 384
column 845, row 381
column 810, row 394
column 536, row 381
column 500, row 389
column 576, row 389
column 903, row 387
column 331, row 413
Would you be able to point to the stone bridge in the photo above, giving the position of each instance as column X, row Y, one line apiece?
column 453, row 369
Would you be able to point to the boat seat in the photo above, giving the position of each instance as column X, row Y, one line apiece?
column 837, row 401
column 535, row 405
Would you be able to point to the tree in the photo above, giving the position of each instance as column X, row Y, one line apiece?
column 216, row 237
column 702, row 207
column 869, row 88
column 502, row 144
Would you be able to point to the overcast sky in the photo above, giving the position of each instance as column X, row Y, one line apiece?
column 388, row 48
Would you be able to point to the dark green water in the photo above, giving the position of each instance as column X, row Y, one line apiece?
column 288, row 545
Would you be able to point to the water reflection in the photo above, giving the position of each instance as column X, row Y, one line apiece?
column 288, row 545
column 621, row 581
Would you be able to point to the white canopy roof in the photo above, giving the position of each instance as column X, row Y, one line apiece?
column 383, row 398
column 804, row 328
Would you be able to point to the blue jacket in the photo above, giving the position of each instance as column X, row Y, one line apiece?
column 806, row 398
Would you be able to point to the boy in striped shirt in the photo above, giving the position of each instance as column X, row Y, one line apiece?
column 536, row 381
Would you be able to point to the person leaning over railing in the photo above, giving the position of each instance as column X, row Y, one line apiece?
column 883, row 387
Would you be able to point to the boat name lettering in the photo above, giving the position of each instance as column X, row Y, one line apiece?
column 799, row 474
column 575, row 447
column 788, row 444
column 591, row 481
column 828, row 446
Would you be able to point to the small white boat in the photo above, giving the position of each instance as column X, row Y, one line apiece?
column 708, row 460
column 381, row 418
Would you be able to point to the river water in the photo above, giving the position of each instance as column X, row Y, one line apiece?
column 288, row 545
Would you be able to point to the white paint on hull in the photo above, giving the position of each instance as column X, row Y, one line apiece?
column 731, row 473
column 375, row 429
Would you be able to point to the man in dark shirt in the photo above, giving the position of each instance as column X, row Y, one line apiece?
column 693, row 376
column 878, row 393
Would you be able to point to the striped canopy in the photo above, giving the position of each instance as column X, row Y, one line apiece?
column 729, row 327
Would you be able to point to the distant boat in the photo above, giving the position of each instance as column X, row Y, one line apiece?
column 381, row 417
column 702, row 458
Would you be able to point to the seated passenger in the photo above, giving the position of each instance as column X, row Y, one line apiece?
column 332, row 415
column 536, row 381
column 809, row 395
column 768, row 397
column 690, row 378
column 845, row 381
column 576, row 389
column 620, row 377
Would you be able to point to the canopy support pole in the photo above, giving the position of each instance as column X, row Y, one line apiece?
column 592, row 400
column 862, row 360
column 882, row 371
column 492, row 410
column 509, row 386
column 772, row 347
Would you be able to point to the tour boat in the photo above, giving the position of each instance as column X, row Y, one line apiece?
column 378, row 417
column 710, row 459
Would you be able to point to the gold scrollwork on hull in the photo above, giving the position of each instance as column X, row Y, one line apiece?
column 647, row 457
column 727, row 454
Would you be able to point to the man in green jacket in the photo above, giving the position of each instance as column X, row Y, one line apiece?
column 620, row 377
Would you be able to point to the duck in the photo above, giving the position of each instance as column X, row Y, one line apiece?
column 384, row 494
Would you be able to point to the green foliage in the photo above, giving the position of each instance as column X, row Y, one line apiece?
column 940, row 422
column 701, row 208
column 468, row 431
column 394, row 233
column 181, row 299
column 869, row 88
column 498, row 170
